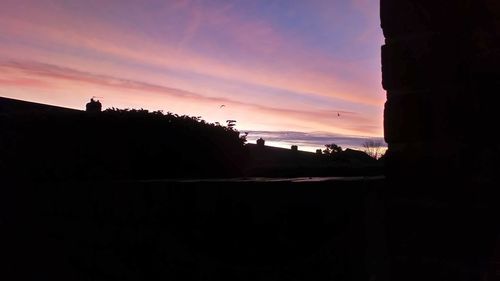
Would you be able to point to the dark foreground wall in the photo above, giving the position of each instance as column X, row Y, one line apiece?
column 440, row 66
column 198, row 230
column 440, row 69
column 245, row 230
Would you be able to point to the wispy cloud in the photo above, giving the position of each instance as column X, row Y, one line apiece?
column 43, row 70
column 278, row 65
column 32, row 74
column 310, row 141
column 290, row 66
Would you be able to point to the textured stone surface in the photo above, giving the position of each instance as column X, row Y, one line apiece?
column 402, row 17
column 421, row 62
column 441, row 71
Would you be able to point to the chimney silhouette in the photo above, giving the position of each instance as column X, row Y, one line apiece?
column 93, row 106
column 261, row 142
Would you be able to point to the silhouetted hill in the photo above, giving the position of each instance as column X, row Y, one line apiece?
column 275, row 161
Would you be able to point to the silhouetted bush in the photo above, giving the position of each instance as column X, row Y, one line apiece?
column 117, row 144
column 331, row 149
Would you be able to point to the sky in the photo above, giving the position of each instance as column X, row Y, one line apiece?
column 295, row 71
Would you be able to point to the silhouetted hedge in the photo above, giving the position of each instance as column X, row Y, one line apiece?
column 116, row 144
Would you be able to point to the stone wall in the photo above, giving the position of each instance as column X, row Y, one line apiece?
column 440, row 65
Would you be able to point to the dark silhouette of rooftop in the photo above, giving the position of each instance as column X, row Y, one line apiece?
column 14, row 106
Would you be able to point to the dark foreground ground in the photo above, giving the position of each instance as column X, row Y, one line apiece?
column 245, row 230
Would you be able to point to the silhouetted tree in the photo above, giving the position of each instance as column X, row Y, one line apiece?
column 373, row 148
column 243, row 137
column 332, row 149
column 231, row 123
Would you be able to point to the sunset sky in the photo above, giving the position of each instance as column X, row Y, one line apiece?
column 284, row 69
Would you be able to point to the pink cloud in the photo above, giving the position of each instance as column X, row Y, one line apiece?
column 25, row 82
column 48, row 32
column 291, row 69
column 51, row 76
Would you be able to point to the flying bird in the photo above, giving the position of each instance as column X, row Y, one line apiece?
column 222, row 105
column 338, row 114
